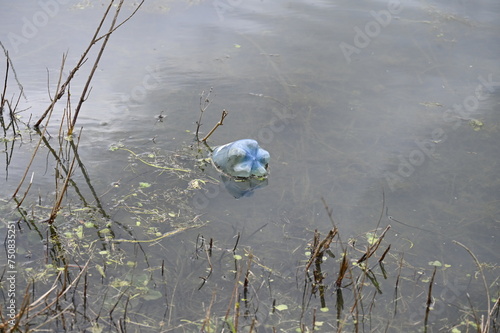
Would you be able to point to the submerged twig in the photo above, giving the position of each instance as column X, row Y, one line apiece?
column 372, row 249
column 153, row 165
column 62, row 192
column 210, row 266
column 429, row 302
column 206, row 321
column 48, row 113
column 321, row 246
column 484, row 326
column 344, row 265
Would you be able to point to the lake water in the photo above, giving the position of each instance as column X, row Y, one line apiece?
column 382, row 110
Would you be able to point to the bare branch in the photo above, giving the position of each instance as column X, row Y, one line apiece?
column 220, row 123
column 83, row 95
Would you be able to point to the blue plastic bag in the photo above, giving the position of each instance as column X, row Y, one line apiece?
column 242, row 187
column 242, row 159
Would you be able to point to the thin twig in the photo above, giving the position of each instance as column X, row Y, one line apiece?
column 236, row 244
column 220, row 123
column 487, row 291
column 62, row 293
column 325, row 244
column 2, row 99
column 371, row 250
column 344, row 265
column 21, row 89
column 122, row 23
column 60, row 194
column 429, row 300
column 204, row 103
column 83, row 95
column 42, row 135
column 234, row 293
column 206, row 321
column 384, row 254
column 205, row 278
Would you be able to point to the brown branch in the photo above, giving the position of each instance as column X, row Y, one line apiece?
column 2, row 99
column 429, row 300
column 344, row 265
column 60, row 90
column 123, row 22
column 204, row 103
column 83, row 58
column 325, row 244
column 220, row 123
column 60, row 195
column 21, row 89
column 487, row 291
column 371, row 250
column 42, row 134
column 96, row 62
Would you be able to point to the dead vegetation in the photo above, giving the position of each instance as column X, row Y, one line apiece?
column 87, row 284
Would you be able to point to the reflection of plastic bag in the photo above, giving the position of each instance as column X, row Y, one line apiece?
column 242, row 187
column 241, row 159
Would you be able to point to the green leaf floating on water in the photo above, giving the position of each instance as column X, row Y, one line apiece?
column 144, row 185
column 100, row 269
column 476, row 124
column 104, row 231
column 152, row 295
column 96, row 329
column 118, row 283
column 371, row 237
column 436, row 263
column 79, row 232
column 281, row 307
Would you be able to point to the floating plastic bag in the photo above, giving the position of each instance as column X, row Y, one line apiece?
column 241, row 159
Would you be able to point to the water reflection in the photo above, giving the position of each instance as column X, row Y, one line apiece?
column 352, row 124
column 242, row 187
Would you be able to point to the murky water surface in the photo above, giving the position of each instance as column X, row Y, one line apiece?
column 381, row 110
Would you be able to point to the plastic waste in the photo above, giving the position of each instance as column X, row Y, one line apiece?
column 242, row 159
column 243, row 187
